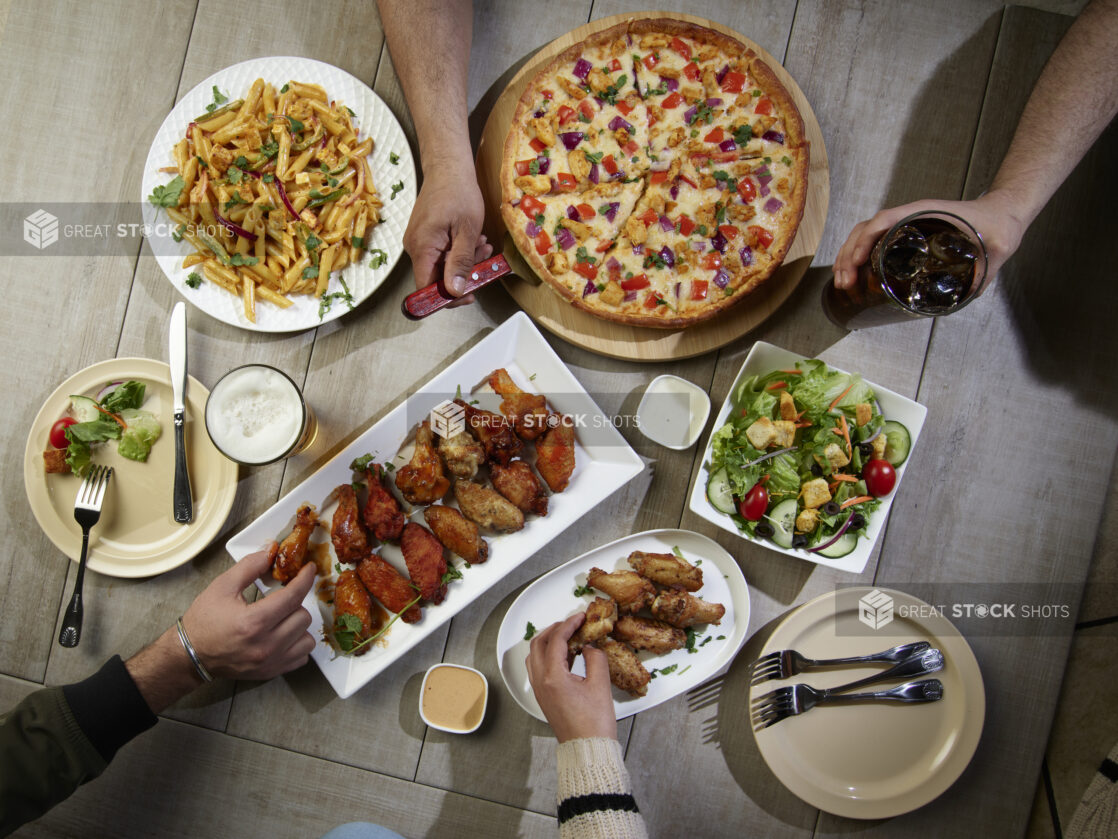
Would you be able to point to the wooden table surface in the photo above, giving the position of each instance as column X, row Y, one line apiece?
column 1006, row 485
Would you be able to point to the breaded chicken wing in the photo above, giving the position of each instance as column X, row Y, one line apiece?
column 527, row 411
column 422, row 481
column 631, row 591
column 493, row 431
column 462, row 454
column 486, row 508
column 683, row 610
column 426, row 561
column 519, row 484
column 555, row 454
column 667, row 570
column 389, row 586
column 457, row 533
column 625, row 668
column 382, row 513
column 346, row 532
column 351, row 598
column 644, row 634
column 600, row 617
column 292, row 552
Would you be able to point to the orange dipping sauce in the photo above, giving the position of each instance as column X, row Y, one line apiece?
column 453, row 698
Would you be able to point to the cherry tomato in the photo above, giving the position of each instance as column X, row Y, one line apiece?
column 880, row 477
column 58, row 432
column 756, row 501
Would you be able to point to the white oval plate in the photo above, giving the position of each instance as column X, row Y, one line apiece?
column 551, row 598
column 374, row 118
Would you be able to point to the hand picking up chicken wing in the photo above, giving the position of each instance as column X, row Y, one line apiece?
column 555, row 453
column 382, row 513
column 644, row 634
column 351, row 599
column 625, row 669
column 422, row 481
column 667, row 570
column 488, row 509
column 631, row 591
column 426, row 561
column 493, row 431
column 389, row 586
column 346, row 532
column 527, row 411
column 683, row 610
column 519, row 484
column 457, row 533
column 462, row 454
column 291, row 555
column 600, row 618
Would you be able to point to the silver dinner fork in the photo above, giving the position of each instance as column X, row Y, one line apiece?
column 789, row 701
column 783, row 664
column 87, row 512
column 802, row 698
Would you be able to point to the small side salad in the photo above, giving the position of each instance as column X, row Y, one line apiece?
column 114, row 414
column 805, row 458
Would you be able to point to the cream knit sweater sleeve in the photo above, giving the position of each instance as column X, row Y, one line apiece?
column 595, row 794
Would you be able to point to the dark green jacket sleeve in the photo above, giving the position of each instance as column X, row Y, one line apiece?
column 58, row 738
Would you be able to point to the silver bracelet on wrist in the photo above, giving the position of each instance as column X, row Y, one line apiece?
column 197, row 662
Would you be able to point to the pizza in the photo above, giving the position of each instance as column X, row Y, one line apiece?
column 655, row 173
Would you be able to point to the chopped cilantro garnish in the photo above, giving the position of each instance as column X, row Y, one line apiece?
column 177, row 234
column 312, row 242
column 194, row 279
column 743, row 134
column 534, row 167
column 701, row 230
column 234, row 174
column 219, row 99
column 350, row 111
column 268, row 177
column 691, row 633
column 583, row 117
column 581, row 590
column 529, row 631
column 326, row 300
column 168, row 195
column 241, row 259
column 201, row 162
column 756, row 93
column 452, row 573
column 786, row 160
column 310, row 272
column 378, row 259
column 234, row 200
column 720, row 212
column 394, row 158
column 539, row 219
column 594, row 157
column 582, row 256
column 286, row 87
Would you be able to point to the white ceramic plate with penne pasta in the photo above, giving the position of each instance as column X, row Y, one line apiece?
column 390, row 165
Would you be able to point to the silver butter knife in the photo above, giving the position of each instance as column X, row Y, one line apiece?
column 183, row 503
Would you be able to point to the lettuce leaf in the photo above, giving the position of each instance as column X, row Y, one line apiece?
column 129, row 394
column 143, row 430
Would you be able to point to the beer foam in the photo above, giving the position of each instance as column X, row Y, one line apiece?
column 254, row 414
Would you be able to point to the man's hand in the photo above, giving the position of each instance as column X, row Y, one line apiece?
column 240, row 640
column 574, row 706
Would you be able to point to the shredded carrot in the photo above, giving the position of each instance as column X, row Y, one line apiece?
column 777, row 385
column 803, row 425
column 764, row 479
column 789, row 372
column 850, row 502
column 839, row 397
column 838, row 476
column 843, row 431
column 113, row 416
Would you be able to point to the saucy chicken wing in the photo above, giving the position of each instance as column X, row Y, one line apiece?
column 625, row 668
column 519, row 484
column 667, row 570
column 457, row 533
column 600, row 617
column 487, row 508
column 426, row 561
column 346, row 532
column 631, row 591
column 422, row 481
column 291, row 555
column 527, row 411
column 555, row 454
column 351, row 598
column 644, row 634
column 493, row 431
column 382, row 513
column 389, row 586
column 462, row 454
column 683, row 610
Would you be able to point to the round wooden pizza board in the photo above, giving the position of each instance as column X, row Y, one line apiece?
column 637, row 343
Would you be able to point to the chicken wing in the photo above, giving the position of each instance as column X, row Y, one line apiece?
column 625, row 668
column 600, row 618
column 346, row 532
column 422, row 481
column 382, row 513
column 352, row 600
column 555, row 454
column 486, row 508
column 644, row 634
column 389, row 586
column 519, row 484
column 457, row 533
column 292, row 552
column 462, row 454
column 683, row 610
column 527, row 411
column 667, row 570
column 426, row 561
column 631, row 591
column 494, row 432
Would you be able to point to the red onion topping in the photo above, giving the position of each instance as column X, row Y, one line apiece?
column 571, row 139
column 590, row 289
column 728, row 145
column 582, row 69
column 671, row 84
column 572, row 213
column 544, row 163
column 773, row 205
column 773, row 136
column 666, row 224
column 234, row 228
column 611, row 211
column 674, row 191
column 593, row 176
column 834, row 538
column 532, row 230
column 668, row 257
column 721, row 278
column 689, row 114
column 565, row 239
column 718, row 241
column 714, row 103
column 618, row 122
column 721, row 74
column 746, row 255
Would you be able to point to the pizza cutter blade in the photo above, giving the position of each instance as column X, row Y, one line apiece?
column 429, row 299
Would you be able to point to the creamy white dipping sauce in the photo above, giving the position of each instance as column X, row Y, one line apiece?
column 673, row 412
column 254, row 414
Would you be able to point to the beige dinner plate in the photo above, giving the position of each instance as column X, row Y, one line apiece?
column 872, row 761
column 137, row 535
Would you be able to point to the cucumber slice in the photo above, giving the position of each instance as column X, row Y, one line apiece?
column 897, row 442
column 84, row 408
column 783, row 519
column 845, row 544
column 719, row 492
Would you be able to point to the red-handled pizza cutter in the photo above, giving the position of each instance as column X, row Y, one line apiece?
column 431, row 298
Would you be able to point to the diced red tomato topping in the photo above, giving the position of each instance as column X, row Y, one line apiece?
column 531, row 206
column 566, row 181
column 637, row 282
column 649, row 216
column 691, row 71
column 587, row 270
column 713, row 261
column 630, row 147
column 585, row 211
column 672, row 100
column 658, row 177
column 614, row 66
column 604, row 246
column 733, row 82
column 566, row 114
column 764, row 238
column 746, row 189
column 537, row 144
column 688, row 181
column 729, row 231
column 651, row 302
column 586, row 109
column 699, row 289
column 686, row 226
column 547, row 94
column 522, row 166
column 543, row 243
column 716, row 135
column 624, row 107
column 764, row 106
column 609, row 163
column 650, row 60
column 681, row 46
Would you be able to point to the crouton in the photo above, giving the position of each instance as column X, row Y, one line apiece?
column 785, row 433
column 879, row 443
column 863, row 412
column 835, row 455
column 54, row 461
column 815, row 493
column 787, row 406
column 762, row 433
column 807, row 521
